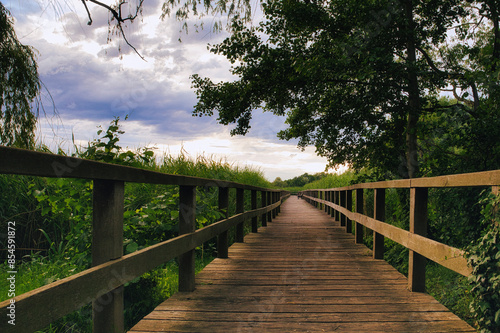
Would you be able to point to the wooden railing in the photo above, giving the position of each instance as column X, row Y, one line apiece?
column 339, row 201
column 102, row 285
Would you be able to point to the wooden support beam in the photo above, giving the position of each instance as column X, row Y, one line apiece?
column 222, row 239
column 348, row 225
column 187, row 224
column 263, row 203
column 332, row 200
column 379, row 214
column 253, row 199
column 107, row 245
column 337, row 202
column 240, row 208
column 269, row 202
column 418, row 225
column 359, row 209
column 274, row 200
column 342, row 204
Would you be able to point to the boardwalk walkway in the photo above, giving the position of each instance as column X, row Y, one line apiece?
column 301, row 273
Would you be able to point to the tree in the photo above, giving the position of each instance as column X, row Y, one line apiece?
column 119, row 17
column 19, row 85
column 354, row 77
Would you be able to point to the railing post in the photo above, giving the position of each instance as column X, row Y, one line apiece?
column 343, row 205
column 348, row 222
column 418, row 225
column 107, row 244
column 222, row 239
column 269, row 202
column 379, row 214
column 273, row 196
column 278, row 199
column 263, row 203
column 253, row 199
column 332, row 200
column 337, row 202
column 187, row 224
column 240, row 208
column 327, row 196
column 358, row 230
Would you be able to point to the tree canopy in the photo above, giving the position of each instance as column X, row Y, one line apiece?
column 358, row 78
column 19, row 85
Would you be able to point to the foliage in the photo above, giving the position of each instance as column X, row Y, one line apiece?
column 450, row 289
column 345, row 74
column 484, row 258
column 54, row 216
column 19, row 85
column 106, row 149
column 299, row 181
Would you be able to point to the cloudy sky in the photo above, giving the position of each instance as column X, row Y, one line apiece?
column 91, row 81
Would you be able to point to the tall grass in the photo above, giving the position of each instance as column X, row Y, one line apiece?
column 53, row 219
column 332, row 180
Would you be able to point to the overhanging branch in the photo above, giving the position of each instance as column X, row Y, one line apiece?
column 117, row 15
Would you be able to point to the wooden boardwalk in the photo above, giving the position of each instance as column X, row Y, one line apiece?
column 301, row 273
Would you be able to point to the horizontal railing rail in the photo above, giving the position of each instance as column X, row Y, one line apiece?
column 339, row 203
column 102, row 284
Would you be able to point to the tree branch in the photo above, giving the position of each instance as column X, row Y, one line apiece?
column 117, row 15
column 88, row 13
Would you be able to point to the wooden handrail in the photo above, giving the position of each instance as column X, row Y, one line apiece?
column 103, row 283
column 421, row 248
column 32, row 163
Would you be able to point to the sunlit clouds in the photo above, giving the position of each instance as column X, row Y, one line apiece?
column 92, row 80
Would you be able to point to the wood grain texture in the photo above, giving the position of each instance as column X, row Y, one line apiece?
column 302, row 273
column 447, row 256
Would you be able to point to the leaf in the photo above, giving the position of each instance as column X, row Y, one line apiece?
column 132, row 247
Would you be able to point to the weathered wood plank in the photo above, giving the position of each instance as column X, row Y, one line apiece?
column 107, row 245
column 80, row 289
column 301, row 273
column 26, row 162
column 442, row 254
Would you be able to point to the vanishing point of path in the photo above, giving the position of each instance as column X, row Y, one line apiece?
column 301, row 273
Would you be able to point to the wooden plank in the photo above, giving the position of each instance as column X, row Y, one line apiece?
column 80, row 289
column 474, row 179
column 485, row 178
column 32, row 163
column 303, row 283
column 447, row 256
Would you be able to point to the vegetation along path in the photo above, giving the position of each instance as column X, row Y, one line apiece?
column 301, row 273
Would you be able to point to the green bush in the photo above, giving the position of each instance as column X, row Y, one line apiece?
column 55, row 215
column 484, row 258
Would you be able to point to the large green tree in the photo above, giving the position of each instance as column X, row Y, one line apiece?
column 19, row 85
column 353, row 77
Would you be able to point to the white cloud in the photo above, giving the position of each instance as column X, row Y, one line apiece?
column 90, row 85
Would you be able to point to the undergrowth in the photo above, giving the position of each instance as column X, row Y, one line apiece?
column 54, row 217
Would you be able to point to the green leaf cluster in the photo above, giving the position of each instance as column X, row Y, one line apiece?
column 484, row 258
column 19, row 85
